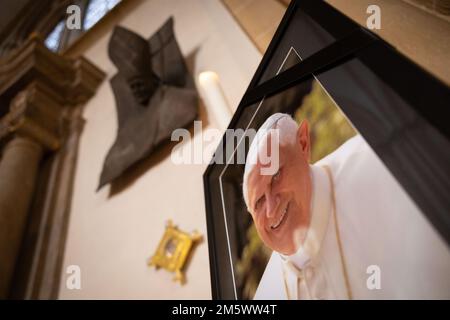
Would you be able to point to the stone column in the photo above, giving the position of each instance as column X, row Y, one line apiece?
column 18, row 172
column 38, row 93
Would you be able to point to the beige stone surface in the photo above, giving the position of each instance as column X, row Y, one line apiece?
column 416, row 33
column 258, row 18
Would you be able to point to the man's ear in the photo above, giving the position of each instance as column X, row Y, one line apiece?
column 303, row 139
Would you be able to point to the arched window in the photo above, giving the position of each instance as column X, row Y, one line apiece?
column 96, row 9
column 53, row 39
column 92, row 11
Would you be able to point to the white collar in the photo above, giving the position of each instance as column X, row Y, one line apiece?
column 320, row 212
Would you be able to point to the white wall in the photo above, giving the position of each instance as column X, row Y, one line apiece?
column 111, row 238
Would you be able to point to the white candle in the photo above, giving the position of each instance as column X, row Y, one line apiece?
column 214, row 99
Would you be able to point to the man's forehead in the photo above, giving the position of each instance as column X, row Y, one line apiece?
column 255, row 175
column 256, row 180
column 266, row 157
column 266, row 142
column 263, row 150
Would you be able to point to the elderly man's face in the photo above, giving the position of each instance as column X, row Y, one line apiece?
column 280, row 203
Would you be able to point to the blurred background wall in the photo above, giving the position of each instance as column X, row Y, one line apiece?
column 111, row 236
column 111, row 233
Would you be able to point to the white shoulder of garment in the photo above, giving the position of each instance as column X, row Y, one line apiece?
column 272, row 285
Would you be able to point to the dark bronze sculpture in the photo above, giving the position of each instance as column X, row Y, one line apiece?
column 154, row 92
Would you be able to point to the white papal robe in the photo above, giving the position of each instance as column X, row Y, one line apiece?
column 378, row 224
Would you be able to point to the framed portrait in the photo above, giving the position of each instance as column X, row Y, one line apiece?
column 357, row 206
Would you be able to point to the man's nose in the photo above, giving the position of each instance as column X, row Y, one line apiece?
column 272, row 204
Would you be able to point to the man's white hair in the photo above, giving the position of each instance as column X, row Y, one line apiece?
column 287, row 130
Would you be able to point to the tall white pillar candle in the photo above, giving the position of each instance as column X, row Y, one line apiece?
column 214, row 98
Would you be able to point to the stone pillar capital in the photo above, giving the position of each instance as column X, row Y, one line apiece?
column 38, row 87
column 35, row 112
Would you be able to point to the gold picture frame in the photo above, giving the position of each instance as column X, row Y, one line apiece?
column 173, row 251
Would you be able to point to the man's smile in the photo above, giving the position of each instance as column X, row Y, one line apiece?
column 280, row 219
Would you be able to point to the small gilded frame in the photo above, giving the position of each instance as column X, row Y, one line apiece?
column 174, row 250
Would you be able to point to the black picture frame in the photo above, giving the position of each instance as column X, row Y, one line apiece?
column 410, row 135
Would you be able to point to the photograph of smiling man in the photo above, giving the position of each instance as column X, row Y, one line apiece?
column 340, row 228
